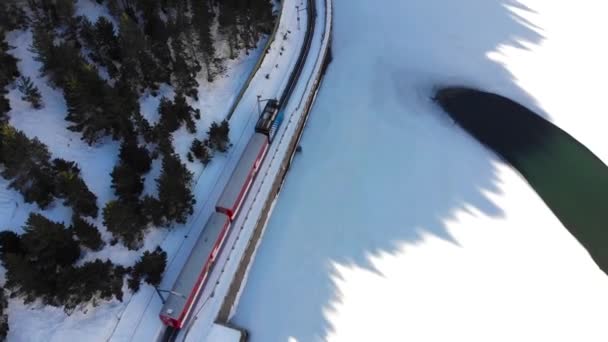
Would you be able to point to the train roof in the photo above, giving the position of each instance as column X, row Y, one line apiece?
column 194, row 268
column 230, row 197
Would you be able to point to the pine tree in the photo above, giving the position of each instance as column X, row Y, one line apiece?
column 174, row 190
column 185, row 68
column 10, row 243
column 151, row 210
column 30, row 92
column 74, row 191
column 12, row 16
column 55, row 12
column 136, row 157
column 92, row 281
column 125, row 221
column 150, row 267
column 219, row 138
column 48, row 244
column 203, row 20
column 102, row 42
column 174, row 113
column 200, row 151
column 48, row 251
column 126, row 182
column 26, row 165
column 8, row 64
column 86, row 233
column 8, row 73
column 3, row 315
column 228, row 25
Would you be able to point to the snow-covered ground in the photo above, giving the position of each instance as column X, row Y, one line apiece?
column 394, row 225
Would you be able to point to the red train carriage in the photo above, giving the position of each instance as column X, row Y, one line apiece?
column 188, row 284
column 231, row 199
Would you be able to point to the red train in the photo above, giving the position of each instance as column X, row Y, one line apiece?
column 179, row 304
column 191, row 279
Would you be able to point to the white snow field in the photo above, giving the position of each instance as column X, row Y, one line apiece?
column 394, row 224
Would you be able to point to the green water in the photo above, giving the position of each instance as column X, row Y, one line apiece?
column 569, row 178
column 574, row 184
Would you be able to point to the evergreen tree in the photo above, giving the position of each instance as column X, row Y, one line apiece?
column 30, row 92
column 48, row 244
column 219, row 138
column 55, row 12
column 200, row 151
column 126, row 182
column 203, row 20
column 125, row 221
column 86, row 233
column 103, row 43
column 10, row 243
column 185, row 68
column 8, row 64
column 136, row 157
column 85, row 93
column 140, row 65
column 8, row 73
column 74, row 191
column 48, row 250
column 3, row 315
column 40, row 265
column 228, row 25
column 52, row 58
column 150, row 267
column 174, row 190
column 151, row 210
column 92, row 281
column 174, row 113
column 26, row 164
column 12, row 16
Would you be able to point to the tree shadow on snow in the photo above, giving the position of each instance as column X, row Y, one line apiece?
column 377, row 142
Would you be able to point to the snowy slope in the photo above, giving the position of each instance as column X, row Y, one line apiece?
column 394, row 225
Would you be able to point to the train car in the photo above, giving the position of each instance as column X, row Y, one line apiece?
column 267, row 117
column 189, row 283
column 269, row 121
column 242, row 177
